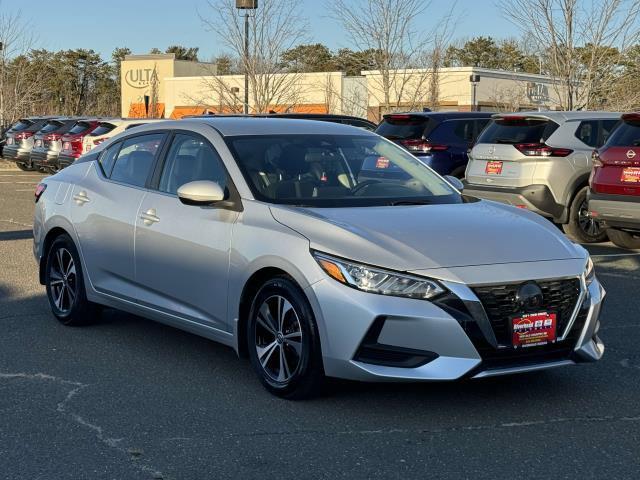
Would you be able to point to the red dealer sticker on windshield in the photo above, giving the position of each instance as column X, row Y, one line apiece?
column 534, row 329
column 382, row 162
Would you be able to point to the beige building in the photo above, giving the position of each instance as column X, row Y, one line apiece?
column 142, row 80
column 161, row 86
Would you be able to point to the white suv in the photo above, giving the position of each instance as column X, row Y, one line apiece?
column 541, row 161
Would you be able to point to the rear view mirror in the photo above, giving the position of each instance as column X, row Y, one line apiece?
column 454, row 182
column 201, row 193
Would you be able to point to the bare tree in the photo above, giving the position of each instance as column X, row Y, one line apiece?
column 276, row 27
column 582, row 41
column 406, row 57
column 18, row 86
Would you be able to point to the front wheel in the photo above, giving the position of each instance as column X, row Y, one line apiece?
column 283, row 341
column 624, row 239
column 65, row 284
column 582, row 227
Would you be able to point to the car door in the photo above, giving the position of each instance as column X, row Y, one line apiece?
column 183, row 251
column 104, row 209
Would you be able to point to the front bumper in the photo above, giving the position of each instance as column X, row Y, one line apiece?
column 429, row 341
column 616, row 211
column 537, row 198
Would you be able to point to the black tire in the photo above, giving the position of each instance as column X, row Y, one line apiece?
column 62, row 277
column 583, row 228
column 624, row 239
column 277, row 342
column 24, row 167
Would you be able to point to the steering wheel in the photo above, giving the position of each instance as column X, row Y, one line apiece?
column 362, row 185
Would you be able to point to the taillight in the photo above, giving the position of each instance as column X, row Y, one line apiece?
column 98, row 141
column 23, row 135
column 423, row 146
column 40, row 190
column 542, row 150
column 52, row 137
column 595, row 159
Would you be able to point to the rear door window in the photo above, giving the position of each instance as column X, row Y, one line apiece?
column 512, row 130
column 606, row 129
column 136, row 158
column 587, row 132
column 403, row 126
column 108, row 158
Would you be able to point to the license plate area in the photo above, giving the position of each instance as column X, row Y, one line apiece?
column 630, row 175
column 9, row 141
column 38, row 143
column 493, row 167
column 534, row 329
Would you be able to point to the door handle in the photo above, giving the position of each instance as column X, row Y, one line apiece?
column 81, row 197
column 149, row 217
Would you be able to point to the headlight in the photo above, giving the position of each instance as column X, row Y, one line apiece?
column 376, row 280
column 590, row 272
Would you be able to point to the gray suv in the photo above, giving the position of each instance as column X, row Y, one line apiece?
column 541, row 161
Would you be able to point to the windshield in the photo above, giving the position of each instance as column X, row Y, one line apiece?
column 51, row 127
column 403, row 126
column 626, row 135
column 336, row 171
column 512, row 130
column 21, row 125
column 80, row 127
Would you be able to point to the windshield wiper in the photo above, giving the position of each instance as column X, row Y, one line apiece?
column 410, row 202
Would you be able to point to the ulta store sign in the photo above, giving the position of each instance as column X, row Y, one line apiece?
column 141, row 77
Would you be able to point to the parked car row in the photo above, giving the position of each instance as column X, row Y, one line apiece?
column 52, row 143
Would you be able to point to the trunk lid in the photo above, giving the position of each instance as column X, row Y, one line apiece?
column 505, row 152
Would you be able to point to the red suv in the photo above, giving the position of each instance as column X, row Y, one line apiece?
column 614, row 197
column 72, row 142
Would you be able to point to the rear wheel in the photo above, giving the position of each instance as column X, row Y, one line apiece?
column 582, row 227
column 624, row 239
column 65, row 284
column 283, row 341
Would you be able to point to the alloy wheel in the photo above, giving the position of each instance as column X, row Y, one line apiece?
column 278, row 338
column 587, row 223
column 63, row 280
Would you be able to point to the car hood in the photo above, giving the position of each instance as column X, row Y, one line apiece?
column 430, row 236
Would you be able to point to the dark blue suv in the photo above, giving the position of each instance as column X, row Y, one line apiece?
column 439, row 139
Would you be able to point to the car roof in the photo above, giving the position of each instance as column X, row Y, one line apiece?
column 229, row 126
column 562, row 116
column 441, row 116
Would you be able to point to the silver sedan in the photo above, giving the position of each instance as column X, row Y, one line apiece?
column 315, row 250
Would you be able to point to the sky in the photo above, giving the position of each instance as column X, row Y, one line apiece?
column 144, row 24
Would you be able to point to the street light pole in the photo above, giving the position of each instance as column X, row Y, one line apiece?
column 474, row 79
column 247, row 6
column 246, row 63
column 1, row 87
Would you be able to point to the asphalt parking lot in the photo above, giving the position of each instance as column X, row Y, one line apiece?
column 127, row 398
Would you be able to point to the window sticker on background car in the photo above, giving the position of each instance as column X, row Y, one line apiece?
column 493, row 168
column 382, row 162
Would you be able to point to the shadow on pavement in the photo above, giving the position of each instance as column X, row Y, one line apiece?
column 16, row 235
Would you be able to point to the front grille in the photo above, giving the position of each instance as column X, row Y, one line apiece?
column 500, row 304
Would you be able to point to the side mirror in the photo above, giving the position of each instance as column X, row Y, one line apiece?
column 201, row 193
column 454, row 182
